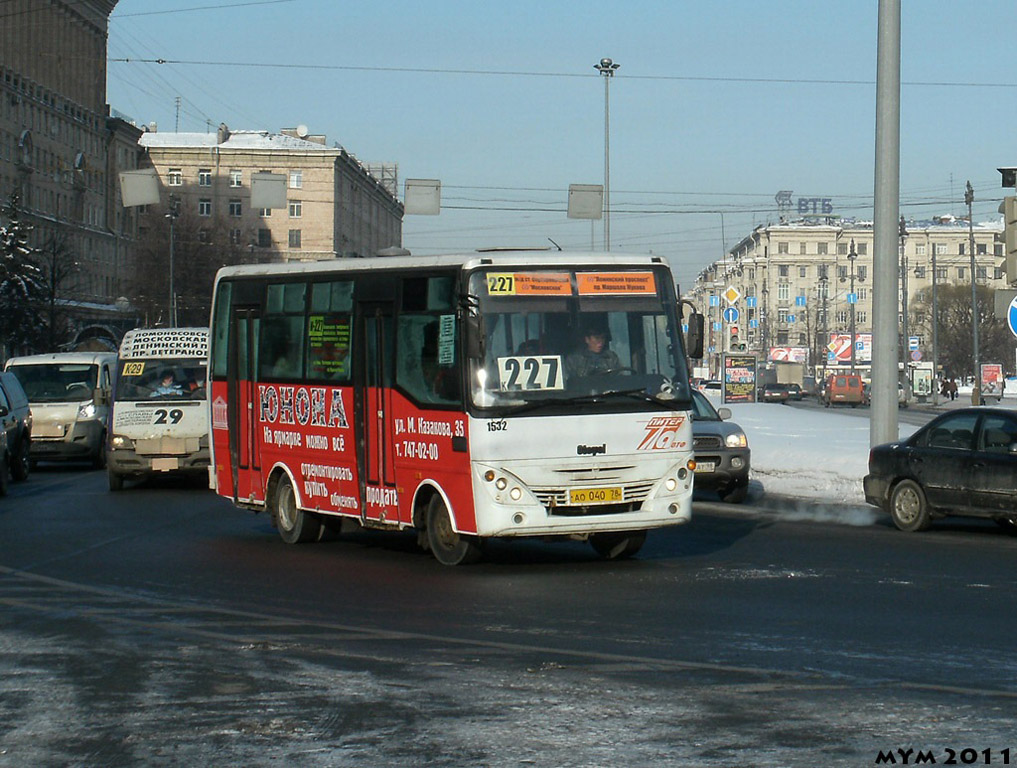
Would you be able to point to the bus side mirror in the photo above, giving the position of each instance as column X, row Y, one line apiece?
column 100, row 397
column 695, row 335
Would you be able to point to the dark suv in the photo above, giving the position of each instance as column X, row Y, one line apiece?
column 17, row 424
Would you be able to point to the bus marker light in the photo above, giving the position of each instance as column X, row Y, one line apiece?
column 502, row 484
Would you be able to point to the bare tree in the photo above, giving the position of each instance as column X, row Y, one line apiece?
column 21, row 280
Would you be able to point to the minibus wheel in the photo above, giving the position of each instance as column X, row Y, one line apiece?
column 294, row 525
column 619, row 545
column 449, row 547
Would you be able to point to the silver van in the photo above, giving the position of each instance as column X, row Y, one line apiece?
column 70, row 395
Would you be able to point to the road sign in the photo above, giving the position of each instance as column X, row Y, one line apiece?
column 731, row 314
column 750, row 302
column 916, row 355
column 753, row 323
column 912, row 342
column 791, row 318
column 732, row 294
column 800, row 301
column 715, row 301
column 1011, row 316
column 852, row 298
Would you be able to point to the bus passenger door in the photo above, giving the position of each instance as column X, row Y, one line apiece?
column 373, row 382
column 245, row 443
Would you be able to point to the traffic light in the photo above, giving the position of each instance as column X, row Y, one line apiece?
column 1010, row 237
column 734, row 344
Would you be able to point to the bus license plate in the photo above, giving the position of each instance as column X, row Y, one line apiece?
column 578, row 496
column 705, row 466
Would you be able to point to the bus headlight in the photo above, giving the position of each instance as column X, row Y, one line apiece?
column 670, row 484
column 119, row 442
column 516, row 493
column 86, row 412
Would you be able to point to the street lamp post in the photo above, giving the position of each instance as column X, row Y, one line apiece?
column 172, row 215
column 976, row 389
column 935, row 333
column 824, row 288
column 851, row 257
column 903, row 234
column 606, row 67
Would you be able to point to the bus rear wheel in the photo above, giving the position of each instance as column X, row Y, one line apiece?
column 294, row 525
column 449, row 547
column 617, row 546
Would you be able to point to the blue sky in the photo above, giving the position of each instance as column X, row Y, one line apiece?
column 716, row 105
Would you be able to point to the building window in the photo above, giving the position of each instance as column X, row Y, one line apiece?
column 841, row 318
column 204, row 236
column 205, row 207
column 236, row 178
column 783, row 291
column 842, row 272
column 980, row 249
column 235, row 207
column 998, row 273
column 861, row 317
column 294, row 238
column 174, row 178
column 861, row 272
column 205, row 177
column 803, row 271
column 264, row 238
column 863, row 248
column 960, row 273
column 940, row 273
column 296, row 209
column 235, row 235
column 842, row 249
column 997, row 249
column 782, row 270
column 824, row 271
column 960, row 249
column 783, row 248
column 822, row 248
column 263, row 212
column 781, row 315
column 939, row 249
column 296, row 179
column 919, row 249
column 801, row 249
column 981, row 273
column 863, row 294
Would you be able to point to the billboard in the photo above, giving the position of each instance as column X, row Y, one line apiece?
column 838, row 349
column 739, row 379
column 788, row 355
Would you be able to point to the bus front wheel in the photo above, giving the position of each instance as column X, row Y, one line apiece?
column 294, row 525
column 449, row 547
column 617, row 546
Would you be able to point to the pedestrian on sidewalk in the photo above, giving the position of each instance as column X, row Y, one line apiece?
column 953, row 389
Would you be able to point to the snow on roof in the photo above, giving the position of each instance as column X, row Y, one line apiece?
column 235, row 140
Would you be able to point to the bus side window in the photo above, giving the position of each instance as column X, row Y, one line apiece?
column 418, row 367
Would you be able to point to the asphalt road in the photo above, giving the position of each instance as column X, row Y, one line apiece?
column 160, row 626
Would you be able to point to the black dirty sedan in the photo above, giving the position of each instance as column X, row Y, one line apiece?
column 961, row 463
column 722, row 451
column 775, row 393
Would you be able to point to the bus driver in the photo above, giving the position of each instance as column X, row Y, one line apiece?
column 594, row 356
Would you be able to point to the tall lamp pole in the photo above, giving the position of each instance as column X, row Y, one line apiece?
column 172, row 215
column 606, row 67
column 851, row 257
column 935, row 333
column 903, row 234
column 976, row 390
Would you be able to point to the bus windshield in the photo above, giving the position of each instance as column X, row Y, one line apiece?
column 557, row 336
column 161, row 379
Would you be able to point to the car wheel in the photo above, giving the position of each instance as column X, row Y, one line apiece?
column 294, row 525
column 908, row 507
column 448, row 546
column 736, row 495
column 618, row 546
column 20, row 465
column 116, row 481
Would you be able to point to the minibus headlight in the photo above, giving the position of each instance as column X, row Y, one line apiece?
column 120, row 442
column 86, row 411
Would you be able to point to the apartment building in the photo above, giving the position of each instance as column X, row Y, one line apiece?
column 61, row 151
column 334, row 208
column 794, row 284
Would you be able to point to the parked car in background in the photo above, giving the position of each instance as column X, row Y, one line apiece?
column 722, row 451
column 844, row 389
column 775, row 392
column 17, row 425
column 961, row 463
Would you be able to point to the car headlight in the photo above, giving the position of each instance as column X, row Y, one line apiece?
column 87, row 411
column 120, row 442
column 736, row 440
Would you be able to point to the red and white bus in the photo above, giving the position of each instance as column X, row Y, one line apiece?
column 449, row 395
